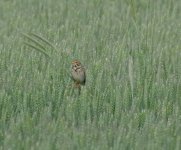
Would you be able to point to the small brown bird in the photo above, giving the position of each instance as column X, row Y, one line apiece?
column 78, row 73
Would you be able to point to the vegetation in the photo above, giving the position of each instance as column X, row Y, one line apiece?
column 131, row 50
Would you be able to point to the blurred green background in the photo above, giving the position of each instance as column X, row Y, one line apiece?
column 131, row 50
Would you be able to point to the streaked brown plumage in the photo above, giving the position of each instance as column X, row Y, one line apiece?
column 78, row 73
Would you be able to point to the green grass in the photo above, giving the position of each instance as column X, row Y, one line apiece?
column 132, row 53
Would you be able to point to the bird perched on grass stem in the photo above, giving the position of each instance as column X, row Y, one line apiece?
column 78, row 74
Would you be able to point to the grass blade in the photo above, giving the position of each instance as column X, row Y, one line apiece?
column 37, row 48
column 43, row 40
column 33, row 41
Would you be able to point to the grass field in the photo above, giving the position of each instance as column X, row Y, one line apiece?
column 132, row 53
